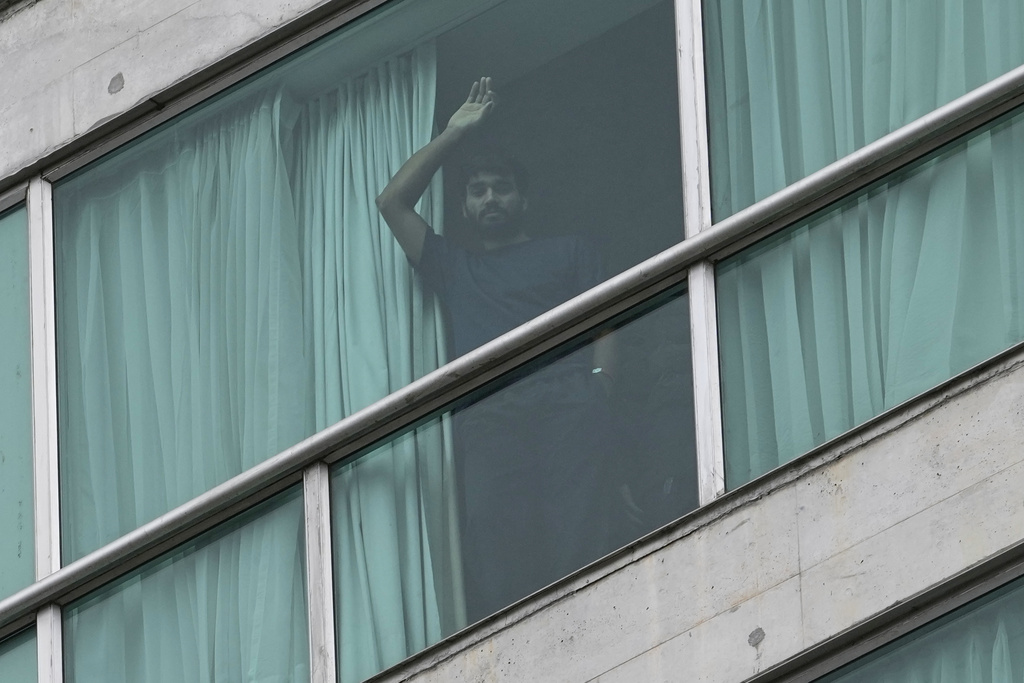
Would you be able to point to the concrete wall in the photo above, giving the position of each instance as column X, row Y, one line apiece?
column 731, row 590
column 800, row 556
column 68, row 65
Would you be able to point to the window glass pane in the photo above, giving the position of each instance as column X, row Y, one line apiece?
column 895, row 290
column 794, row 85
column 18, row 663
column 980, row 642
column 228, row 606
column 516, row 487
column 17, row 549
column 227, row 285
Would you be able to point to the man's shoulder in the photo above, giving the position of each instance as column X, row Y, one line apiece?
column 439, row 262
column 440, row 247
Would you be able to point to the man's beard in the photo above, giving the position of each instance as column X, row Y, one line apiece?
column 510, row 227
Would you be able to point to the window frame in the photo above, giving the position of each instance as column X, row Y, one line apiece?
column 692, row 260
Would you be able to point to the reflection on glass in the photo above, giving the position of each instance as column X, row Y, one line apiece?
column 796, row 85
column 18, row 662
column 227, row 285
column 228, row 606
column 835, row 320
column 980, row 642
column 17, row 549
column 521, row 484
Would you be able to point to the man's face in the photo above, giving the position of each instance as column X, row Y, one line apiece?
column 493, row 203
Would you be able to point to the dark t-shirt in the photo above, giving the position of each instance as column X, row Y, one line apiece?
column 491, row 292
column 531, row 455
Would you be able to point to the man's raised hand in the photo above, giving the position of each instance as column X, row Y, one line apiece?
column 476, row 108
column 397, row 202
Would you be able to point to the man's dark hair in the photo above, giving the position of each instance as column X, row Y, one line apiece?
column 495, row 160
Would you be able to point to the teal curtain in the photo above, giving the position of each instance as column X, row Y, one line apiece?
column 181, row 365
column 894, row 291
column 227, row 288
column 17, row 530
column 230, row 606
column 372, row 331
column 180, row 312
column 979, row 643
column 18, row 661
column 794, row 85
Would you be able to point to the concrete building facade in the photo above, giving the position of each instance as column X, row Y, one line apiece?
column 854, row 536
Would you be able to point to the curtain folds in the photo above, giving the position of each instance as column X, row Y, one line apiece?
column 227, row 608
column 895, row 291
column 181, row 326
column 182, row 365
column 830, row 323
column 797, row 84
column 373, row 331
column 226, row 293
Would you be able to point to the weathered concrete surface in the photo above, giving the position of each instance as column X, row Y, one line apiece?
column 61, row 60
column 933, row 492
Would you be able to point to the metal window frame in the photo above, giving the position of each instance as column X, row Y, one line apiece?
column 44, row 379
column 692, row 260
column 45, row 494
column 697, row 219
column 13, row 197
column 316, row 496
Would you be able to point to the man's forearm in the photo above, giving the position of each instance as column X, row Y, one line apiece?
column 398, row 200
column 412, row 179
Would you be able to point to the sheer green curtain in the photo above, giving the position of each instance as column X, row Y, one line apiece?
column 979, row 643
column 181, row 365
column 230, row 606
column 228, row 288
column 372, row 331
column 180, row 310
column 833, row 321
column 17, row 531
column 18, row 663
column 796, row 84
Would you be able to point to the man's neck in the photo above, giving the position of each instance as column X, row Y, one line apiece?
column 497, row 242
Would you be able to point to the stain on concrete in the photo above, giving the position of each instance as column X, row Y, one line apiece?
column 756, row 637
column 116, row 83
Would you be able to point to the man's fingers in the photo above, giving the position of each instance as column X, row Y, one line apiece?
column 480, row 90
column 489, row 95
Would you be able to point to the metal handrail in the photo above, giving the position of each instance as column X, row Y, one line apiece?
column 584, row 313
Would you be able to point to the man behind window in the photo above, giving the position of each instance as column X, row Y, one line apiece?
column 531, row 456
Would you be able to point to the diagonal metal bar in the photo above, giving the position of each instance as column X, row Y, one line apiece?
column 584, row 313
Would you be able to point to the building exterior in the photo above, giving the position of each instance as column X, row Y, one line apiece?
column 234, row 441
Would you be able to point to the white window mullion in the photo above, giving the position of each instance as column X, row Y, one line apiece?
column 706, row 388
column 44, row 380
column 697, row 218
column 44, row 422
column 49, row 644
column 319, row 573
